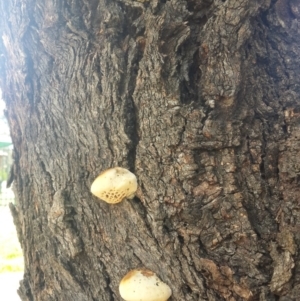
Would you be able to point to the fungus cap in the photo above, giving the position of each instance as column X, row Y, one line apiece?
column 115, row 184
column 143, row 285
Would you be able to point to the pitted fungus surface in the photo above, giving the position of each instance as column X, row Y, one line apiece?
column 143, row 285
column 114, row 185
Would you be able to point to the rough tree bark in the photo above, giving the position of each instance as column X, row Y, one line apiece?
column 200, row 99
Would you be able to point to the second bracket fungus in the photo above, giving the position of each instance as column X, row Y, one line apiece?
column 115, row 184
column 143, row 285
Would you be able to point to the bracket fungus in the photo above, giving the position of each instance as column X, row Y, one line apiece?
column 115, row 184
column 143, row 285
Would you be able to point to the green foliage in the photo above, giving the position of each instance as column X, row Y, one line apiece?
column 11, row 257
column 3, row 175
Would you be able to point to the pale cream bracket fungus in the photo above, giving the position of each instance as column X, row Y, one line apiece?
column 143, row 285
column 114, row 185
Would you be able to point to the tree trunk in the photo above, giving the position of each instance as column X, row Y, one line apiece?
column 200, row 99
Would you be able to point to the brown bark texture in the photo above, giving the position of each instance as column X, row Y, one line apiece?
column 200, row 99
